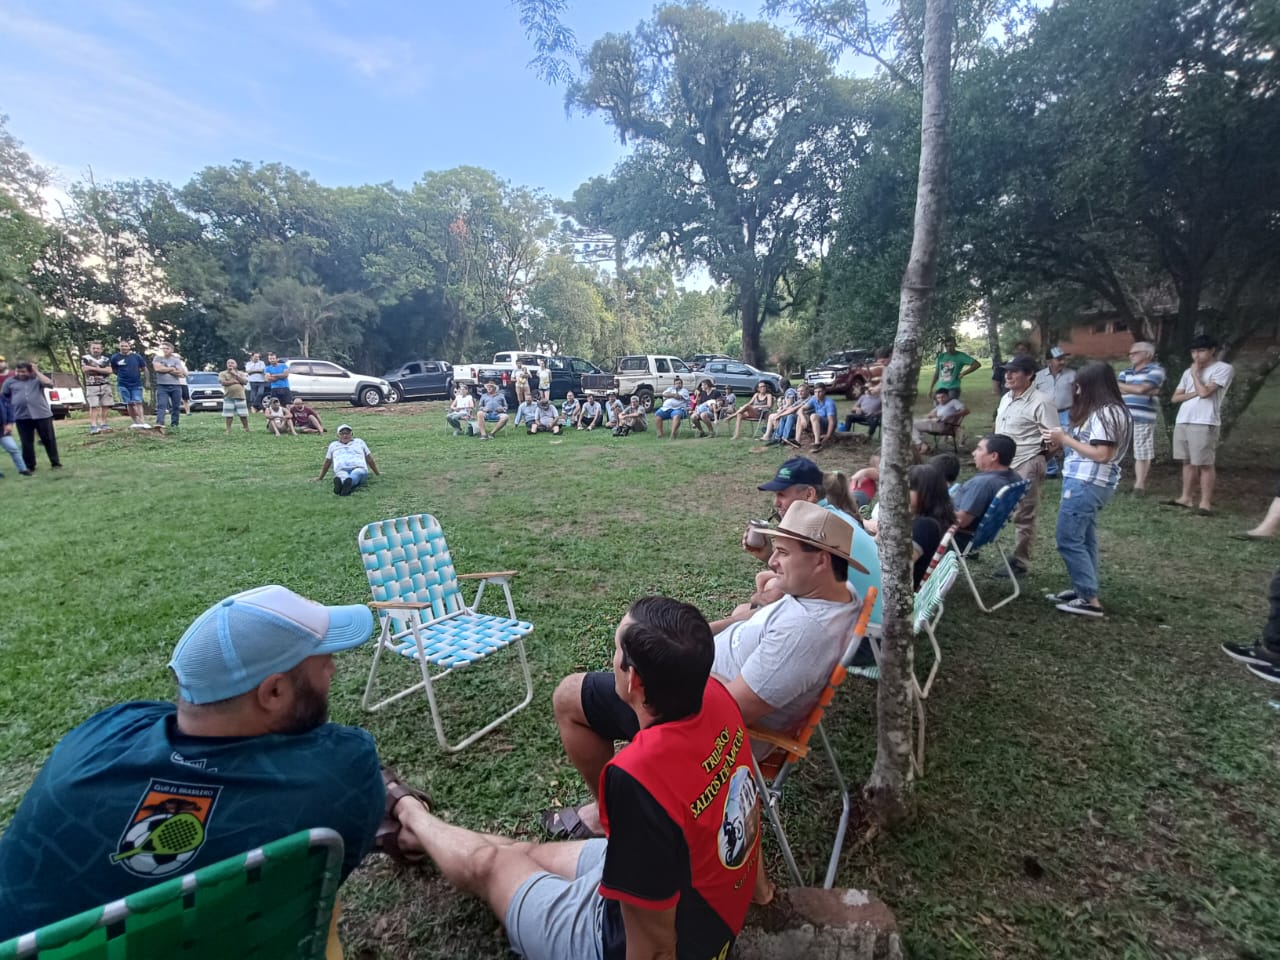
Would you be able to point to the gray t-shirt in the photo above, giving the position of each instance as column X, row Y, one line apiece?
column 785, row 653
column 168, row 370
column 27, row 399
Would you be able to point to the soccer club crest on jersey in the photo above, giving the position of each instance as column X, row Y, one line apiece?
column 167, row 829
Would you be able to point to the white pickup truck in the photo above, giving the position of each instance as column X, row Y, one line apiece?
column 65, row 395
column 647, row 375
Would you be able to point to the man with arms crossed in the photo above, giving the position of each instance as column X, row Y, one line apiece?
column 256, row 370
column 774, row 660
column 1023, row 414
column 96, row 367
column 681, row 810
column 1140, row 386
column 170, row 373
column 1195, row 431
column 233, row 382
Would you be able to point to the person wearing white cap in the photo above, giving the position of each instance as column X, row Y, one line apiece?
column 351, row 461
column 244, row 757
column 774, row 660
column 1057, row 382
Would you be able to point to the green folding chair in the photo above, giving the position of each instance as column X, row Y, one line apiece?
column 272, row 903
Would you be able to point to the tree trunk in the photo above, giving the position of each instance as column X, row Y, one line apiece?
column 888, row 791
column 993, row 338
column 750, row 311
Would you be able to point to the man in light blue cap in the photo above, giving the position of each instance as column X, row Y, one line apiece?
column 244, row 757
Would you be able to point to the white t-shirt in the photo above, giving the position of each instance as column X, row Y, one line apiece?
column 464, row 402
column 1205, row 410
column 785, row 653
column 347, row 456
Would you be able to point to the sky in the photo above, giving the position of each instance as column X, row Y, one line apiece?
column 351, row 91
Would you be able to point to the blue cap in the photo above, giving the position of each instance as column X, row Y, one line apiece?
column 240, row 641
column 796, row 470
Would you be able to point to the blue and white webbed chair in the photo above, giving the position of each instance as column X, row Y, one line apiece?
column 425, row 618
column 987, row 532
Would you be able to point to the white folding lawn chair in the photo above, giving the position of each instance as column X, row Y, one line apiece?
column 986, row 532
column 425, row 618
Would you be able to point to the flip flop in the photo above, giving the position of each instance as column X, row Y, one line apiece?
column 1202, row 512
column 1174, row 503
column 1248, row 536
column 387, row 836
column 565, row 824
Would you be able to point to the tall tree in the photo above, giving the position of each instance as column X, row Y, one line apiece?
column 739, row 129
column 287, row 313
column 887, row 790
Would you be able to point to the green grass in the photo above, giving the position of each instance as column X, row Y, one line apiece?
column 1094, row 790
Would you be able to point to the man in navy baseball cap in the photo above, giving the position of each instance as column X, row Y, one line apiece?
column 245, row 756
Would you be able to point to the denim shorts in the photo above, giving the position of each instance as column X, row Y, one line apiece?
column 130, row 394
column 668, row 413
column 493, row 417
column 551, row 918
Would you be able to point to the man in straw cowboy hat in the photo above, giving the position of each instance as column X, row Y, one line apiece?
column 774, row 660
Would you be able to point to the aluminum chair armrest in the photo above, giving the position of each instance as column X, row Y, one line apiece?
column 487, row 576
column 400, row 604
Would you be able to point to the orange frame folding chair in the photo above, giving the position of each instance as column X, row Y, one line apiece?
column 791, row 750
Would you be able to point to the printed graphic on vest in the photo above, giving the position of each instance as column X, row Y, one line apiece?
column 167, row 829
column 741, row 823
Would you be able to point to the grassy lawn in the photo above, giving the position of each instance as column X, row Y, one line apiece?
column 1094, row 789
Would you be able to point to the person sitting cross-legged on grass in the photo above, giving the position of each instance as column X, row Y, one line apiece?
column 546, row 418
column 527, row 412
column 1263, row 657
column 570, row 408
column 675, row 876
column 145, row 791
column 351, row 461
column 775, row 660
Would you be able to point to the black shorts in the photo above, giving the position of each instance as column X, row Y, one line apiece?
column 606, row 713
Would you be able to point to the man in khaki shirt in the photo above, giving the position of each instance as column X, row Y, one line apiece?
column 1022, row 414
column 233, row 382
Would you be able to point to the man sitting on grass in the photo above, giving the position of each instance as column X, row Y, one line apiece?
column 145, row 791
column 589, row 414
column 676, row 875
column 546, row 418
column 351, row 461
column 632, row 418
column 774, row 660
column 305, row 420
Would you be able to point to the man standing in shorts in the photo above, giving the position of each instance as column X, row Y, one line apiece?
column 129, row 367
column 1195, row 432
column 1140, row 385
column 233, row 383
column 679, row 805
column 96, row 367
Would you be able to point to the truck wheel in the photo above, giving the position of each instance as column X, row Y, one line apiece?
column 394, row 395
column 646, row 398
column 369, row 396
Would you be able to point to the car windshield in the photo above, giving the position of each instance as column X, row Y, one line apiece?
column 202, row 378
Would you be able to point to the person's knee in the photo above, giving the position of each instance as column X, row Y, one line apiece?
column 566, row 702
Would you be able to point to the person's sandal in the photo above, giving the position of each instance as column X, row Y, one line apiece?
column 387, row 837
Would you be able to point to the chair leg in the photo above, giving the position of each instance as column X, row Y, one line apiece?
column 843, row 825
column 771, row 798
column 493, row 724
column 973, row 587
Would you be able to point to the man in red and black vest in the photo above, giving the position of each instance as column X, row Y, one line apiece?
column 675, row 873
